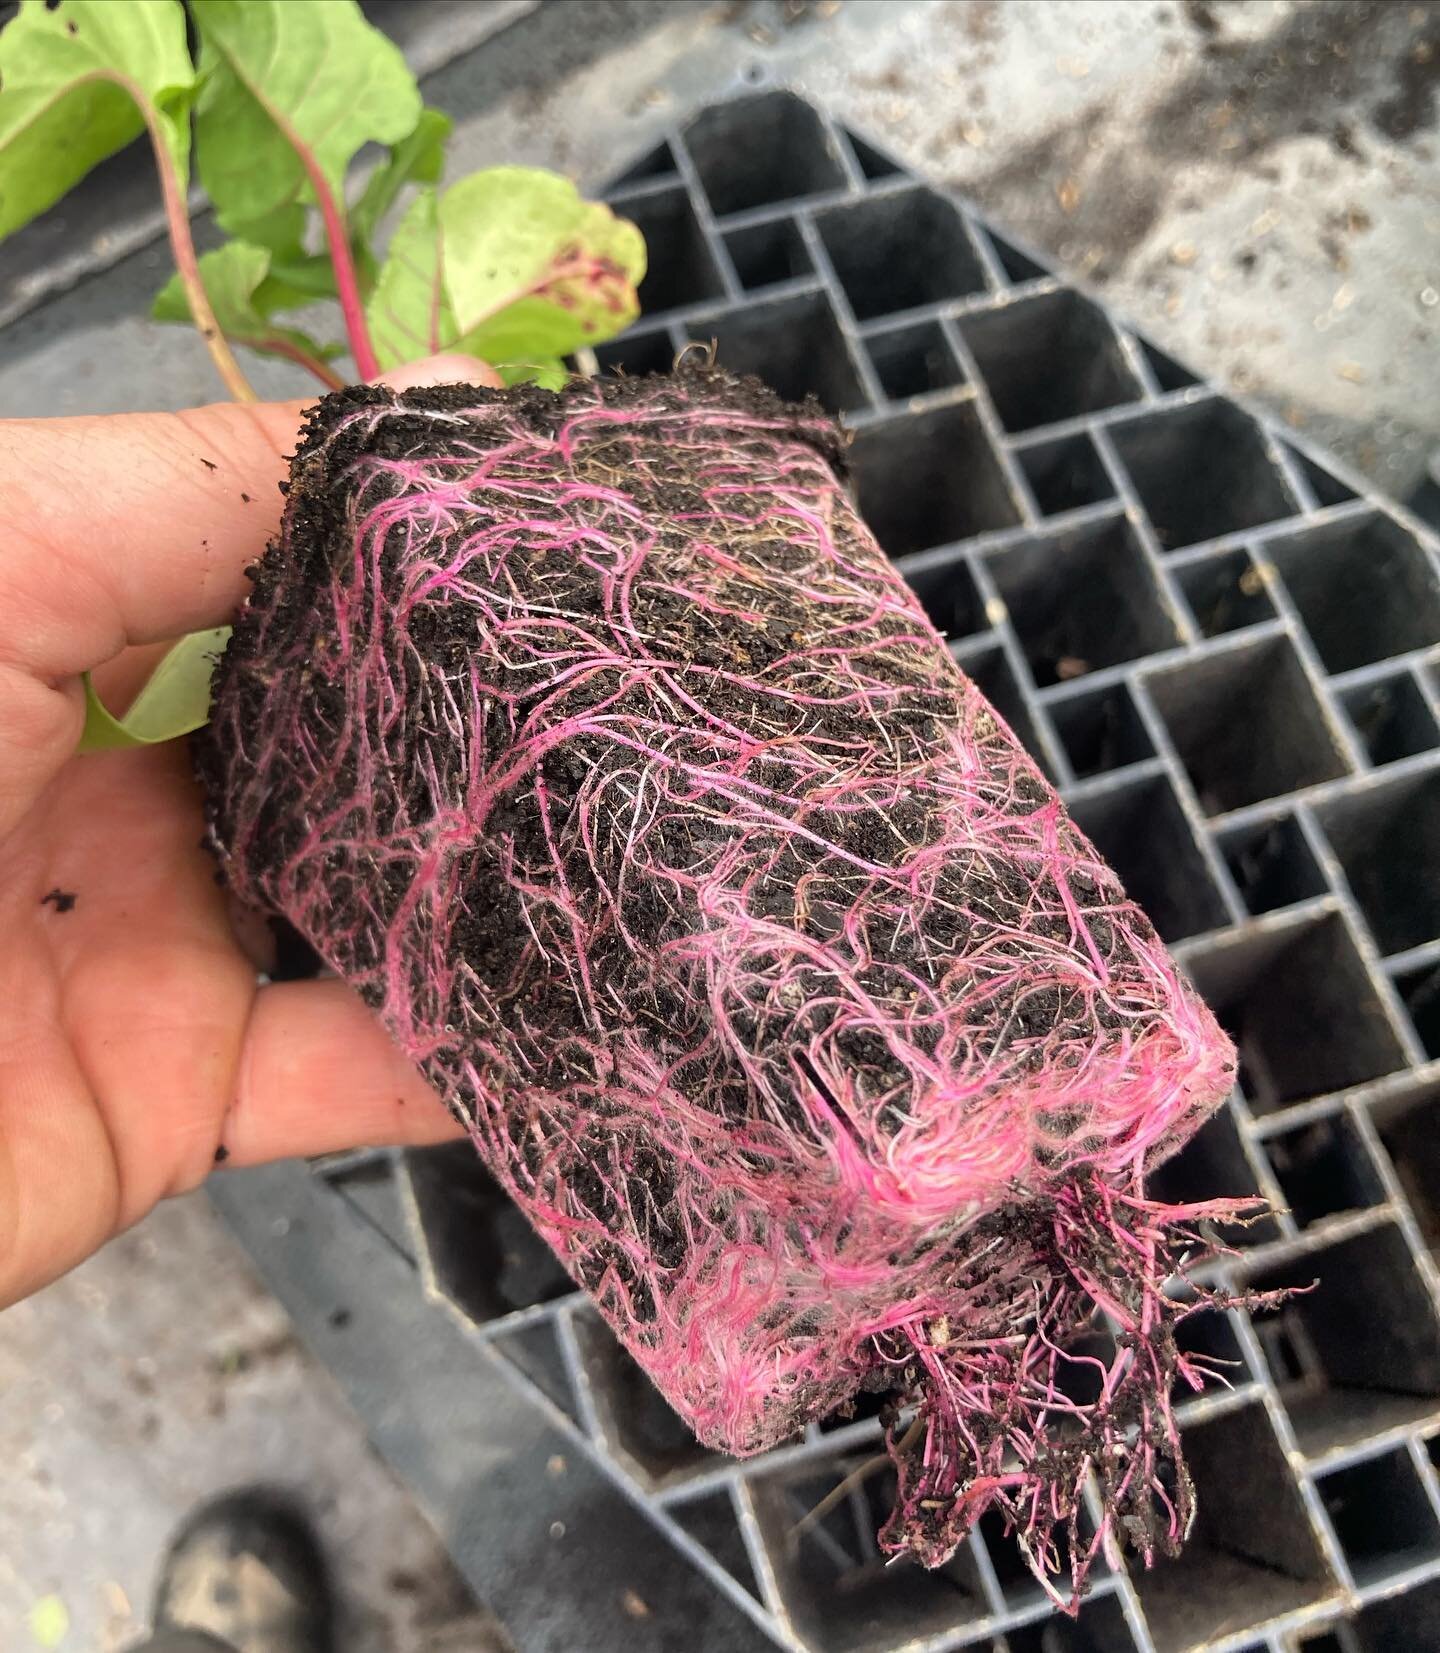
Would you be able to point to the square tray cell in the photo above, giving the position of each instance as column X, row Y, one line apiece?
column 638, row 1424
column 711, row 1521
column 929, row 478
column 1393, row 1623
column 681, row 268
column 755, row 151
column 990, row 671
column 1327, row 488
column 1359, row 1353
column 1226, row 593
column 897, row 252
column 1272, row 864
column 794, row 344
column 1252, row 1555
column 1381, row 1515
column 871, row 161
column 1323, row 1168
column 481, row 1254
column 1392, row 718
column 765, row 254
column 637, row 353
column 1386, row 838
column 1169, row 374
column 1100, row 1627
column 914, row 360
column 1201, row 471
column 950, row 597
column 840, row 1592
column 1082, row 600
column 1419, row 992
column 1365, row 588
column 1048, row 358
column 1213, row 1165
column 1409, row 1127
column 1100, row 730
column 1065, row 474
column 1247, row 725
column 655, row 163
column 1018, row 266
column 1300, row 1005
column 1142, row 832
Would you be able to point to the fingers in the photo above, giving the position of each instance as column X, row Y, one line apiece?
column 138, row 527
column 319, row 1073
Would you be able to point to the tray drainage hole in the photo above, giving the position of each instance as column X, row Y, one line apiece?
column 1381, row 1515
column 681, row 269
column 1323, row 1168
column 1100, row 731
column 912, row 361
column 1272, row 864
column 1226, row 593
column 1065, row 474
column 1394, row 1622
column 1392, row 718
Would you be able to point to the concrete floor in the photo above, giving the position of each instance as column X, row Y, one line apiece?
column 1256, row 184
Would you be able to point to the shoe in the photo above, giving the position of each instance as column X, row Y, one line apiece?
column 248, row 1569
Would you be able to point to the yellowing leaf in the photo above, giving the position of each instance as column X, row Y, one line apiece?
column 74, row 80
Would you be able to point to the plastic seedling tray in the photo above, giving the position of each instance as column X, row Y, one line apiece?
column 1227, row 654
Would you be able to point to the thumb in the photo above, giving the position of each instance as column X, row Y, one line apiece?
column 448, row 368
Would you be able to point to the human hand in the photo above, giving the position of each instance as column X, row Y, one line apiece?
column 135, row 1040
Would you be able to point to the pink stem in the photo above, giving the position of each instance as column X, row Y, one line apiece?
column 347, row 284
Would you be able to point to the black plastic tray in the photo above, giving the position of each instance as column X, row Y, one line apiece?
column 1227, row 655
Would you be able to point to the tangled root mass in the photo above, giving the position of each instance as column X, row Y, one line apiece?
column 593, row 739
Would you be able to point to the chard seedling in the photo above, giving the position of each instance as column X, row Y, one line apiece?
column 509, row 265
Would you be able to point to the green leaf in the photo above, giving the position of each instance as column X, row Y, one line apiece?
column 288, row 85
column 546, row 274
column 532, row 268
column 74, row 79
column 551, row 375
column 408, row 313
column 242, row 293
column 416, row 159
column 174, row 701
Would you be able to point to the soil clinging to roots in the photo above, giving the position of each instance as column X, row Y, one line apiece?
column 591, row 736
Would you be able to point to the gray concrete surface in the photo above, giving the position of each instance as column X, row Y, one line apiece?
column 1256, row 184
column 157, row 1374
